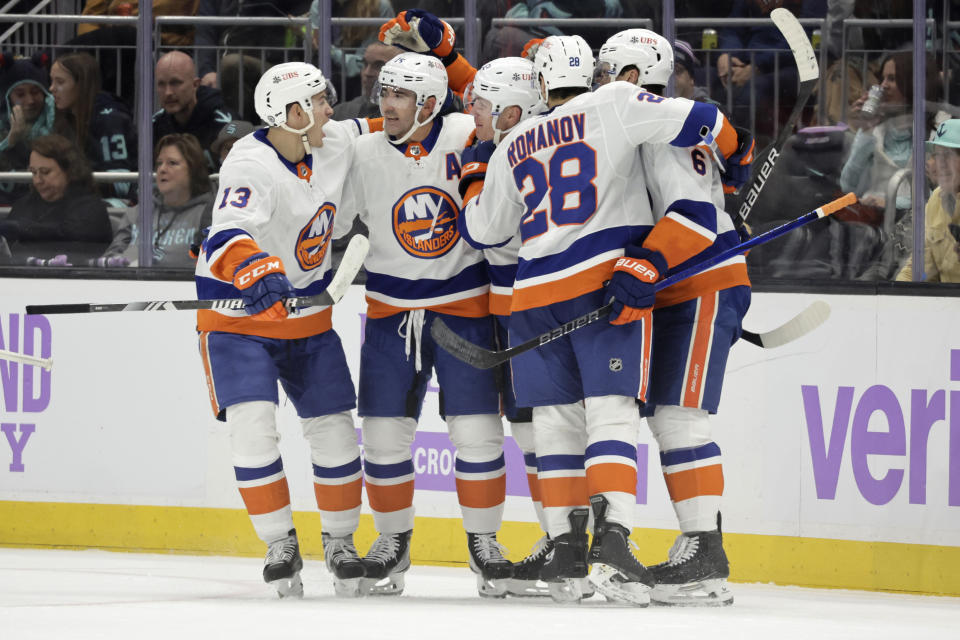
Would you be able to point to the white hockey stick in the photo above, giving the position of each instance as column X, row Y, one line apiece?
column 349, row 266
column 800, row 325
column 46, row 363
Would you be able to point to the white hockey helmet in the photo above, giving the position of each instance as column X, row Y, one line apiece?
column 507, row 82
column 283, row 85
column 563, row 61
column 424, row 75
column 650, row 52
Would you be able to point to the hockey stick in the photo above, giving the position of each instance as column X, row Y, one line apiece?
column 481, row 358
column 46, row 363
column 809, row 72
column 800, row 325
column 341, row 281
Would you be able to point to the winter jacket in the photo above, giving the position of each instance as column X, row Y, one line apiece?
column 940, row 258
column 174, row 230
column 77, row 225
column 208, row 117
column 875, row 155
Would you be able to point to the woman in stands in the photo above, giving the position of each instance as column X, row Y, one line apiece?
column 99, row 123
column 182, row 208
column 61, row 221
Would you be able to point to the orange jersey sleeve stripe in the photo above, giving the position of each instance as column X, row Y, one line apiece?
column 290, row 328
column 473, row 190
column 699, row 352
column 482, row 494
column 375, row 124
column 692, row 483
column 390, row 497
column 567, row 288
column 563, row 492
column 267, row 498
column 611, row 477
column 675, row 242
column 338, row 497
column 727, row 138
column 733, row 275
column 231, row 258
column 475, row 307
column 459, row 74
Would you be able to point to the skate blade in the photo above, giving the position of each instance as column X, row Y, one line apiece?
column 567, row 591
column 348, row 587
column 291, row 587
column 528, row 588
column 490, row 588
column 615, row 588
column 392, row 585
column 707, row 593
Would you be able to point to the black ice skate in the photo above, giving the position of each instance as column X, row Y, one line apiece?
column 385, row 564
column 487, row 561
column 343, row 562
column 281, row 567
column 526, row 580
column 615, row 571
column 696, row 572
column 566, row 564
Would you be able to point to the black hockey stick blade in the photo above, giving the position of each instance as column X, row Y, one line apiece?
column 349, row 266
column 481, row 358
column 808, row 72
column 798, row 326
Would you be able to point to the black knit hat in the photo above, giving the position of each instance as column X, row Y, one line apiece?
column 14, row 70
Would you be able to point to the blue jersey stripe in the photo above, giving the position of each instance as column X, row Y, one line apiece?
column 702, row 114
column 212, row 244
column 479, row 467
column 682, row 456
column 612, row 448
column 246, row 473
column 583, row 249
column 696, row 211
column 530, row 459
column 470, row 278
column 502, row 275
column 387, row 471
column 342, row 471
column 560, row 462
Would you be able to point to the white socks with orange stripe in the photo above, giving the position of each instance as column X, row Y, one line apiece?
column 258, row 468
column 692, row 465
column 479, row 469
column 337, row 475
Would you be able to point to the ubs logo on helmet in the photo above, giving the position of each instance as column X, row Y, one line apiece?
column 314, row 238
column 425, row 222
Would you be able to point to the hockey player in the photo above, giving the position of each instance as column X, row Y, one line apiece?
column 280, row 189
column 404, row 182
column 695, row 322
column 569, row 184
column 504, row 94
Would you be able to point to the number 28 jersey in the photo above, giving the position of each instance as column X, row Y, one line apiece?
column 570, row 183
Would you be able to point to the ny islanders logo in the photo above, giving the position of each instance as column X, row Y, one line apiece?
column 314, row 238
column 425, row 222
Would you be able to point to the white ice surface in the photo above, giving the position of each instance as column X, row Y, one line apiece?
column 76, row 595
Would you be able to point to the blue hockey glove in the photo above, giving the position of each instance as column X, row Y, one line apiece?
column 263, row 286
column 631, row 287
column 473, row 164
column 737, row 169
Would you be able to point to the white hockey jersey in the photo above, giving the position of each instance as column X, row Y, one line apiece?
column 407, row 196
column 686, row 194
column 569, row 183
column 266, row 203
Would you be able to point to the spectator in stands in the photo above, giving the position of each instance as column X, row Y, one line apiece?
column 99, row 123
column 62, row 218
column 186, row 106
column 229, row 134
column 366, row 105
column 115, row 46
column 183, row 204
column 942, row 214
column 685, row 67
column 27, row 113
column 250, row 47
column 884, row 143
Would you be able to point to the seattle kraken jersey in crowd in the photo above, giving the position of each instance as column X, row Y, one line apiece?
column 266, row 203
column 407, row 196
